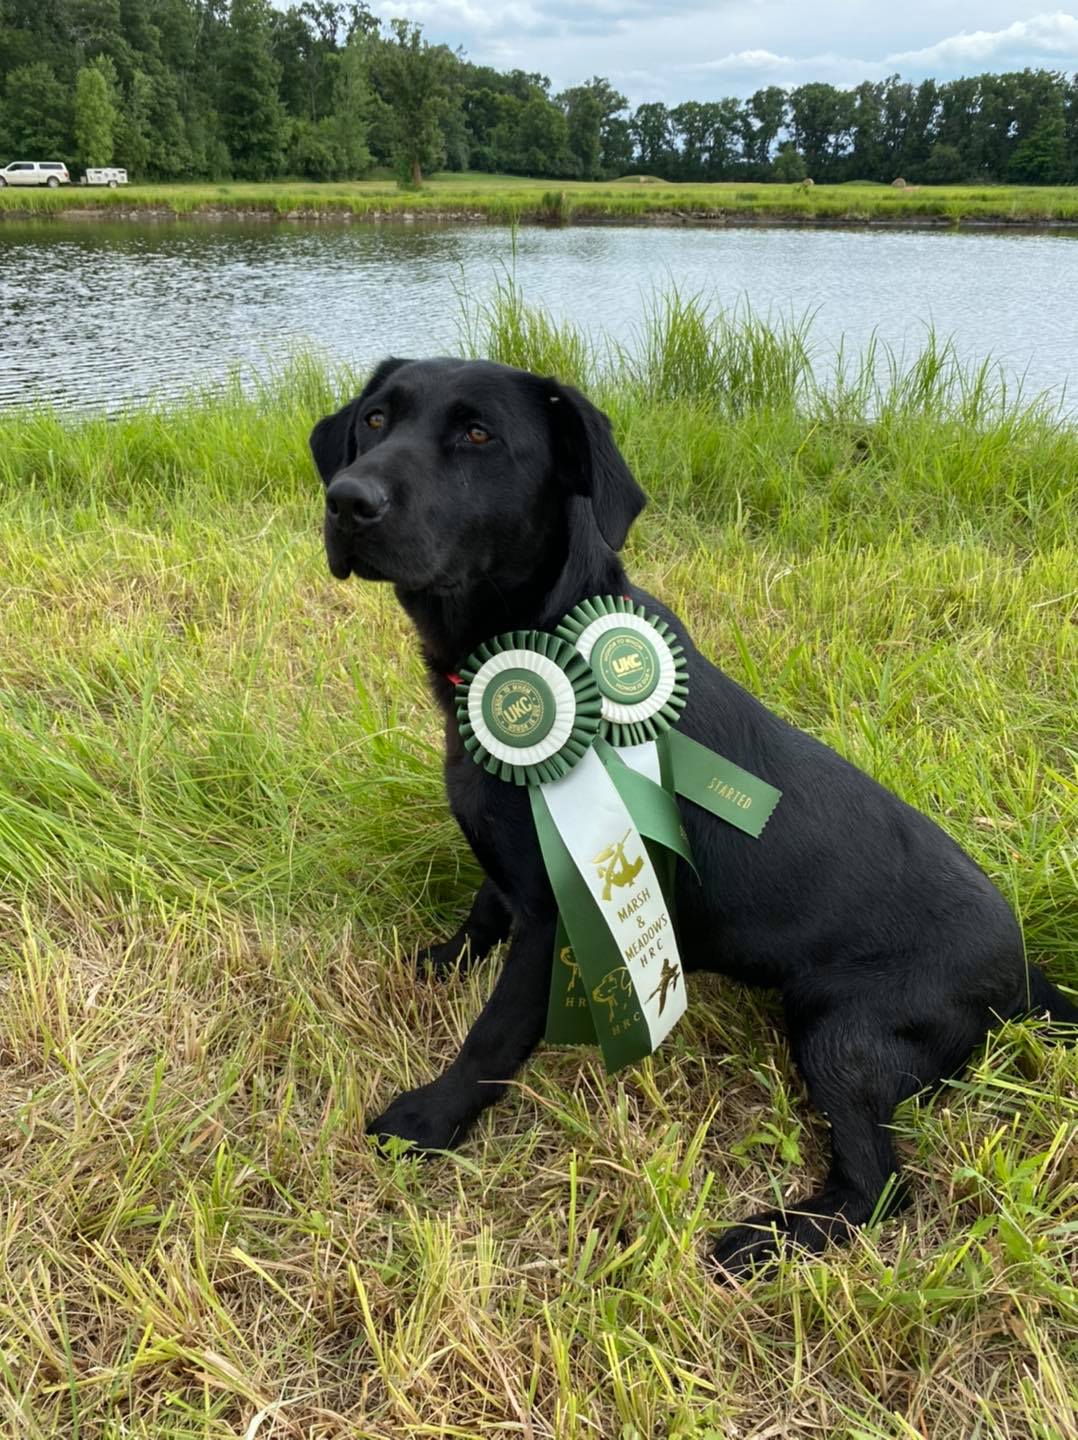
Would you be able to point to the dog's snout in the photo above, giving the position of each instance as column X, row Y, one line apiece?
column 356, row 500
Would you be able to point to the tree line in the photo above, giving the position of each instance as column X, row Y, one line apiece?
column 220, row 89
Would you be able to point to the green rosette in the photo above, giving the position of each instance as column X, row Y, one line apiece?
column 528, row 707
column 638, row 665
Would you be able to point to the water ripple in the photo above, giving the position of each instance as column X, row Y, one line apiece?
column 104, row 316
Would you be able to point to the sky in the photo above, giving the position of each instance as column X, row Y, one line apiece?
column 676, row 50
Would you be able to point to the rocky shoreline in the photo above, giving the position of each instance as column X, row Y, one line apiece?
column 453, row 215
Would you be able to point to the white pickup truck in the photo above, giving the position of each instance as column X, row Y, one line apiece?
column 35, row 172
column 105, row 175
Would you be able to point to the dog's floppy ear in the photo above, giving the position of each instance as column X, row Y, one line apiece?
column 587, row 457
column 333, row 440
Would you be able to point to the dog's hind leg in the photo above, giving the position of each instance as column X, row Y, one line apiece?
column 511, row 1024
column 856, row 1073
column 487, row 925
column 1045, row 999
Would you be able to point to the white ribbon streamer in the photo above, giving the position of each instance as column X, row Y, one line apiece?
column 594, row 823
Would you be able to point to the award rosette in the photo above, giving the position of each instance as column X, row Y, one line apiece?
column 528, row 707
column 638, row 664
column 586, row 718
column 529, row 710
column 639, row 667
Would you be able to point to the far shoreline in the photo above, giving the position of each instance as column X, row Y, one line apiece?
column 476, row 199
column 763, row 218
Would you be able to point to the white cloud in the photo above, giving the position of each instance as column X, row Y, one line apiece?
column 746, row 60
column 463, row 16
column 1055, row 35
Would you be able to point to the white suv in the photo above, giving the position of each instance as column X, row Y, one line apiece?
column 34, row 172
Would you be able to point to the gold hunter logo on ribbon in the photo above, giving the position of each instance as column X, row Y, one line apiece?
column 584, row 718
column 614, row 866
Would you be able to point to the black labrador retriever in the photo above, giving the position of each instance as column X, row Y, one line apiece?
column 494, row 500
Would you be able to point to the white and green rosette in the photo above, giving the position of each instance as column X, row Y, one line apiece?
column 638, row 665
column 586, row 719
column 528, row 707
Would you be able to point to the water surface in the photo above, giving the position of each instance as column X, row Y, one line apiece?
column 99, row 316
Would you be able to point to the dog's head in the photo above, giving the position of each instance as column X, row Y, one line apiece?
column 447, row 473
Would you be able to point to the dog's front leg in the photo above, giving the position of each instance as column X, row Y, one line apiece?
column 437, row 1116
column 486, row 926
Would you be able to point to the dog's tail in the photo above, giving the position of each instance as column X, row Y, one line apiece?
column 1044, row 998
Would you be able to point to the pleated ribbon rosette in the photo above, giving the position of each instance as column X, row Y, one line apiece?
column 529, row 710
column 584, row 718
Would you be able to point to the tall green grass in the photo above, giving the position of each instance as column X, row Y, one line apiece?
column 223, row 832
column 506, row 199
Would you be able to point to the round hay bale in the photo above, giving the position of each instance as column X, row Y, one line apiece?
column 898, row 184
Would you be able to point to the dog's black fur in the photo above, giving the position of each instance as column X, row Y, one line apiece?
column 496, row 500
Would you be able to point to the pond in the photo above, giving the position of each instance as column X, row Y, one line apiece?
column 99, row 316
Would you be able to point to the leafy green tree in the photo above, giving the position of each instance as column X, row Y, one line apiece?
column 95, row 116
column 294, row 47
column 411, row 77
column 690, row 125
column 944, row 165
column 171, row 154
column 959, row 127
column 96, row 27
column 133, row 124
column 349, row 120
column 490, row 118
column 312, row 151
column 1042, row 159
column 789, row 164
column 920, row 133
column 542, row 140
column 584, row 118
column 598, row 129
column 24, row 40
column 143, row 36
column 617, row 157
column 38, row 112
column 1070, row 120
column 456, row 145
column 761, row 120
column 709, row 135
column 654, row 136
column 250, row 110
column 319, row 87
column 505, row 136
column 821, row 125
column 867, row 153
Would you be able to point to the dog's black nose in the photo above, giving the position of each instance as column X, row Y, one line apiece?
column 357, row 500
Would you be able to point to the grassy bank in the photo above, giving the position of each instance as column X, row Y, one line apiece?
column 502, row 199
column 223, row 833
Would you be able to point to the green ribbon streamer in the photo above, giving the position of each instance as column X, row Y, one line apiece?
column 653, row 809
column 718, row 785
column 574, row 1015
column 588, row 967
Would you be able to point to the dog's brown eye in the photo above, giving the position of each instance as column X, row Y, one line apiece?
column 477, row 435
column 375, row 420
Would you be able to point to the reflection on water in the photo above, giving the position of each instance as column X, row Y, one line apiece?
column 96, row 315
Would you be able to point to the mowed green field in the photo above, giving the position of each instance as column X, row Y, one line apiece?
column 509, row 198
column 223, row 835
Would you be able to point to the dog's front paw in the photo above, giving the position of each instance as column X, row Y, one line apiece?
column 751, row 1246
column 431, row 1118
column 756, row 1243
column 441, row 960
